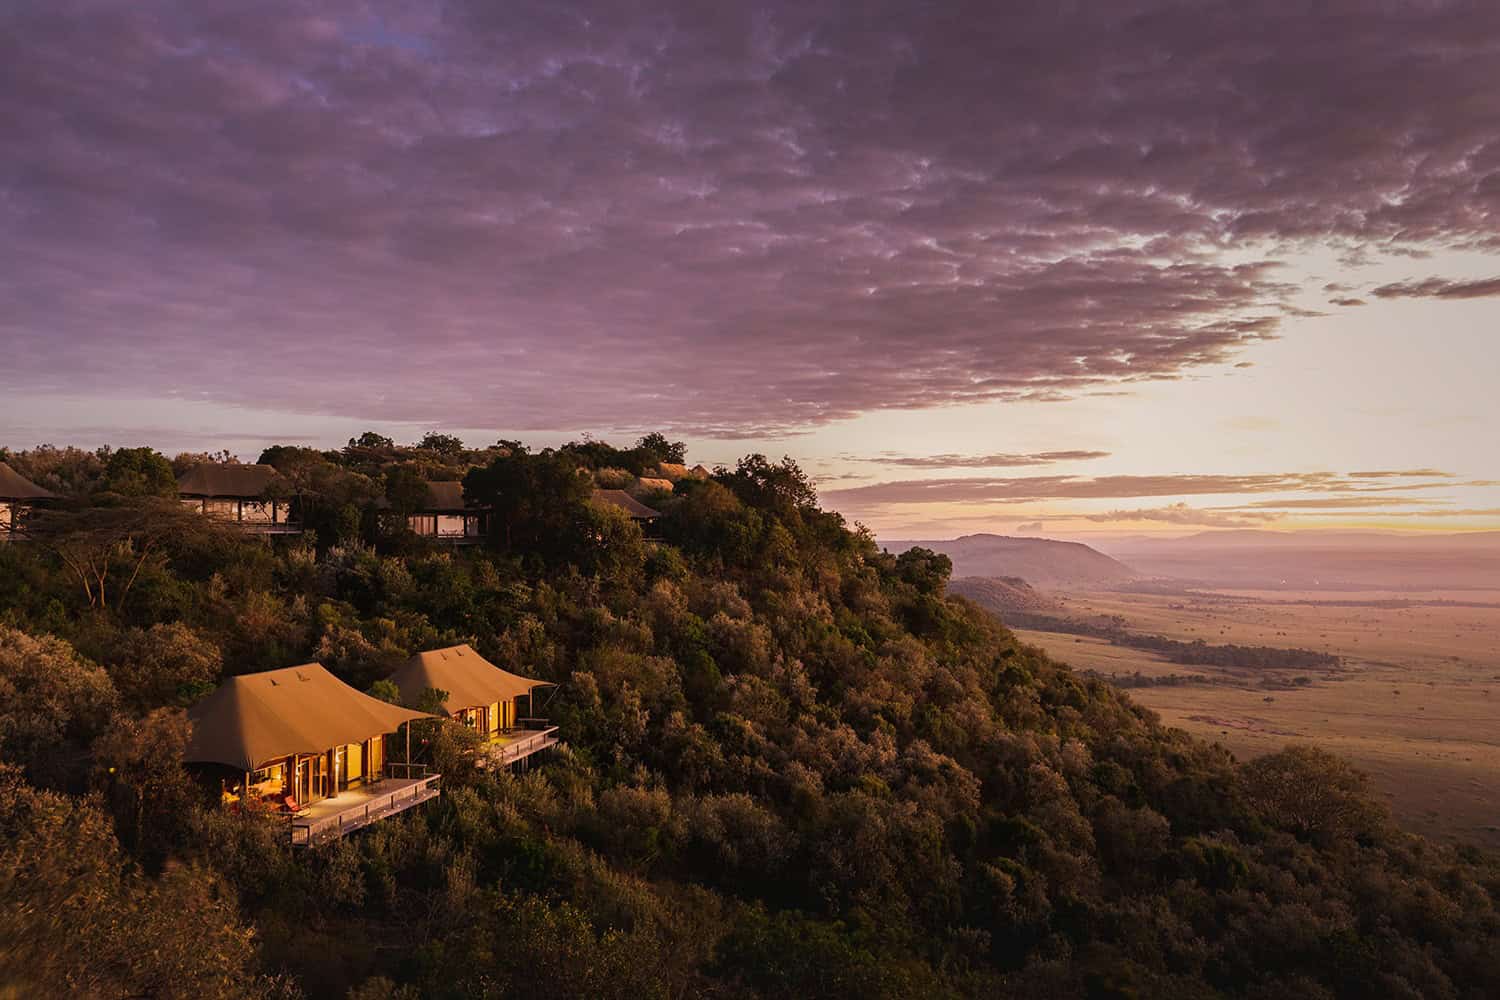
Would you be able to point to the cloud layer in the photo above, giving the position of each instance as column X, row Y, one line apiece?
column 1025, row 489
column 722, row 219
column 996, row 461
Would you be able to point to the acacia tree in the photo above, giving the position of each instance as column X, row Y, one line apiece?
column 105, row 547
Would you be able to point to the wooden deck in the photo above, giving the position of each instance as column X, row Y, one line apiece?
column 515, row 747
column 331, row 818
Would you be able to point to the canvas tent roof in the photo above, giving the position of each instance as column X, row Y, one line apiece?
column 14, row 486
column 626, row 502
column 213, row 479
column 254, row 718
column 469, row 678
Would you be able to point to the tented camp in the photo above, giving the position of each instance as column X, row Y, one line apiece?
column 481, row 696
column 636, row 510
column 17, row 495
column 302, row 742
column 446, row 517
column 254, row 497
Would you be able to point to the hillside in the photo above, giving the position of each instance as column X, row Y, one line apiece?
column 1003, row 594
column 1041, row 562
column 796, row 766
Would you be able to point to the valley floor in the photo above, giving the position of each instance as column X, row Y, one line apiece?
column 1417, row 705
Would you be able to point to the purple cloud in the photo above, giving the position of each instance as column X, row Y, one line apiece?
column 996, row 461
column 1439, row 288
column 1023, row 489
column 1182, row 514
column 720, row 219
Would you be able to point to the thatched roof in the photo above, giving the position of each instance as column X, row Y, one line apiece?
column 671, row 470
column 627, row 503
column 14, row 486
column 650, row 483
column 255, row 718
column 469, row 679
column 445, row 496
column 699, row 471
column 212, row 479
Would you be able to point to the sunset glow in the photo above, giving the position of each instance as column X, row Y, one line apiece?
column 1241, row 258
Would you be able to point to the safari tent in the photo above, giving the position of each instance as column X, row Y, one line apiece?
column 302, row 742
column 481, row 696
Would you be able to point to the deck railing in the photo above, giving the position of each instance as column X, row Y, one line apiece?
column 308, row 830
column 506, row 754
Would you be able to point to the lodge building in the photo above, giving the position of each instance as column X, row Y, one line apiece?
column 17, row 496
column 633, row 508
column 255, row 498
column 446, row 517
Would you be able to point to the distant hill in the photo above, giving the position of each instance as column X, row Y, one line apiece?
column 1002, row 595
column 1320, row 559
column 1041, row 562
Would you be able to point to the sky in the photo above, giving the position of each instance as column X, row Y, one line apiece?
column 1068, row 269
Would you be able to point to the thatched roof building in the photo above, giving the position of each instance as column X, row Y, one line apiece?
column 228, row 480
column 14, row 486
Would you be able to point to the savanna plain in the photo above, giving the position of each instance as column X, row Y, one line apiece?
column 1414, row 701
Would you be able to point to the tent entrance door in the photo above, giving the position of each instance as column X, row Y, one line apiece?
column 302, row 785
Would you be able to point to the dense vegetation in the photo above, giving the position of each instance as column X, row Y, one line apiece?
column 796, row 768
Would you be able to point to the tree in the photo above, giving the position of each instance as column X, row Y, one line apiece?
column 138, row 766
column 655, row 448
column 1316, row 795
column 447, row 445
column 369, row 439
column 105, row 547
column 537, row 501
column 53, row 703
column 77, row 920
column 139, row 472
column 405, row 490
column 924, row 569
column 186, row 460
column 167, row 664
column 781, row 487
